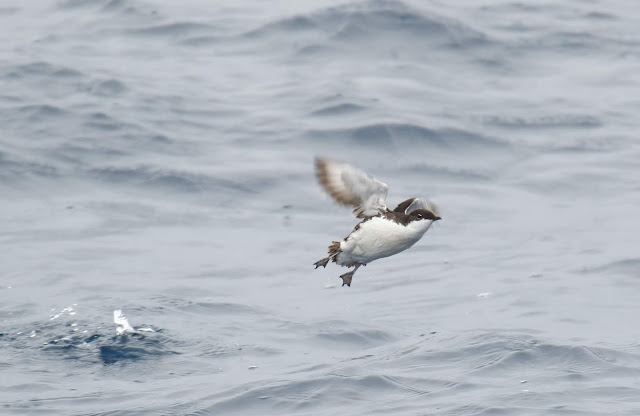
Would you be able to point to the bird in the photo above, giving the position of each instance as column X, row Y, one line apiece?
column 382, row 232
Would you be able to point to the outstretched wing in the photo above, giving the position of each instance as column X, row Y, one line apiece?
column 412, row 204
column 351, row 186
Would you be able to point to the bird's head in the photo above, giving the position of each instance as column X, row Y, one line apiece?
column 423, row 214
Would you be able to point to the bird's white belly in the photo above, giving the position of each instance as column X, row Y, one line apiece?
column 378, row 238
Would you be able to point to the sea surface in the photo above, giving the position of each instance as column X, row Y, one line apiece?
column 159, row 213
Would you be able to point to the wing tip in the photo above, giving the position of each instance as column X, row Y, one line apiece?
column 324, row 175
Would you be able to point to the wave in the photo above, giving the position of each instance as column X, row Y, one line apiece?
column 466, row 374
column 366, row 28
column 338, row 110
column 44, row 69
column 361, row 338
column 13, row 167
column 176, row 29
column 624, row 267
column 371, row 20
column 403, row 134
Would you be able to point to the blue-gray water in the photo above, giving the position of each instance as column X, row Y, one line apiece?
column 156, row 157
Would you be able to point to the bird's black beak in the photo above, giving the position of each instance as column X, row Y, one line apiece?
column 436, row 219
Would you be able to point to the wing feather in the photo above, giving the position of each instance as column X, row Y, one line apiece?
column 352, row 187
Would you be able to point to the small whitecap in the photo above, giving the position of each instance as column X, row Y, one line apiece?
column 145, row 329
column 329, row 285
column 484, row 295
column 121, row 320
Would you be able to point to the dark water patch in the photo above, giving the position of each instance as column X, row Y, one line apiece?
column 11, row 167
column 286, row 26
column 45, row 69
column 584, row 146
column 106, row 88
column 173, row 30
column 106, row 123
column 133, row 348
column 12, row 99
column 197, row 41
column 310, row 50
column 71, row 346
column 75, row 4
column 493, row 63
column 7, row 11
column 39, row 68
column 40, row 112
column 109, row 8
column 67, row 73
column 519, row 7
column 338, row 109
column 626, row 267
column 127, row 6
column 109, row 125
column 85, row 151
column 565, row 121
column 575, row 43
column 599, row 15
column 218, row 112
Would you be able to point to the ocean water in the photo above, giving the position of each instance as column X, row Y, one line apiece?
column 156, row 162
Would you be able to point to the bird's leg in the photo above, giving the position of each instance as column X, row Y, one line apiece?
column 325, row 260
column 346, row 278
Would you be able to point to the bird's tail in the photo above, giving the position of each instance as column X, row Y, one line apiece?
column 334, row 248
